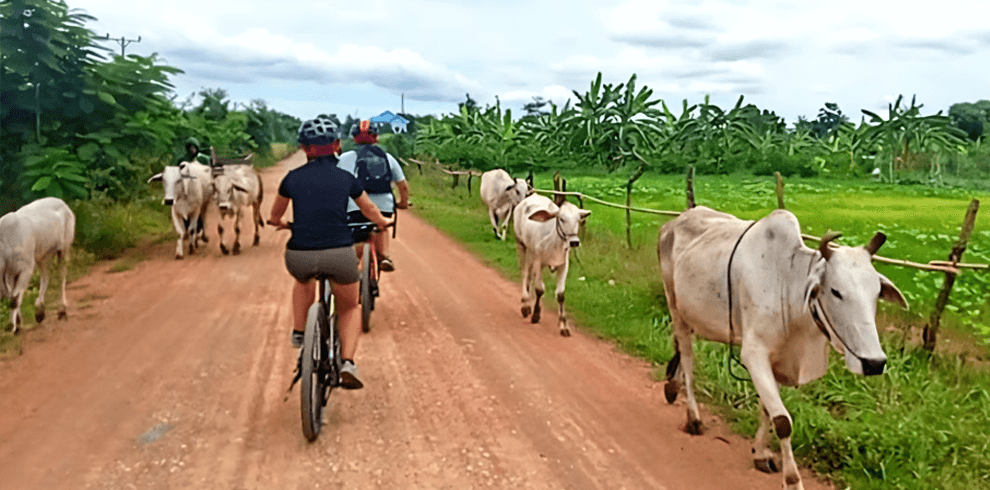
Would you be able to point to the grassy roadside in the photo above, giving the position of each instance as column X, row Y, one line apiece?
column 922, row 425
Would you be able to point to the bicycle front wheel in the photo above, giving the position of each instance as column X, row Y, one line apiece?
column 312, row 356
column 366, row 299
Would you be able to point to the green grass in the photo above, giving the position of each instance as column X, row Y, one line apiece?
column 922, row 425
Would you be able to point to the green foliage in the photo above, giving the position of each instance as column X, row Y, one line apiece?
column 54, row 172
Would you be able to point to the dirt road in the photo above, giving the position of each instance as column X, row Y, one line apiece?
column 174, row 375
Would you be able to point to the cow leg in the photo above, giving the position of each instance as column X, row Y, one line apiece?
column 237, row 232
column 524, row 269
column 561, row 281
column 223, row 248
column 39, row 304
column 494, row 219
column 181, row 230
column 63, row 263
column 762, row 456
column 541, row 287
column 15, row 311
column 258, row 223
column 683, row 339
column 191, row 223
column 202, row 222
column 757, row 361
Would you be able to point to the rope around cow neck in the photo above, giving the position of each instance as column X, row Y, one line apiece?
column 729, row 356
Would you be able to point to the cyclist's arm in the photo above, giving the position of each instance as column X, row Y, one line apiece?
column 279, row 207
column 370, row 211
column 403, row 194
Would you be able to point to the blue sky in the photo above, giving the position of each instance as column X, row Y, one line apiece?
column 309, row 57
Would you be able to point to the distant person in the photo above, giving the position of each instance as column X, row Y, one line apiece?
column 376, row 170
column 193, row 153
column 321, row 242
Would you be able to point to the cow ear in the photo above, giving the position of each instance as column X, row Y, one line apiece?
column 240, row 187
column 509, row 188
column 542, row 215
column 889, row 292
column 875, row 243
column 584, row 214
column 157, row 177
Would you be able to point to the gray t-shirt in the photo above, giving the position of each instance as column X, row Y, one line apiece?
column 385, row 202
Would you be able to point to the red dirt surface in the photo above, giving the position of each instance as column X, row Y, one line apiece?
column 174, row 375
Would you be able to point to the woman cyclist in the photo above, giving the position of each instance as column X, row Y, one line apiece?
column 321, row 241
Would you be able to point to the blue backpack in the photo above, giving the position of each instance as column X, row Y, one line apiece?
column 373, row 169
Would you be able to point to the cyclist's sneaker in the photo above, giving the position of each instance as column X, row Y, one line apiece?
column 297, row 338
column 386, row 265
column 349, row 376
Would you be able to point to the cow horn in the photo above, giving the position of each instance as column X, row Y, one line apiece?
column 876, row 242
column 823, row 246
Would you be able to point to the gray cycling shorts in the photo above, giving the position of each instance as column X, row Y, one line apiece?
column 340, row 264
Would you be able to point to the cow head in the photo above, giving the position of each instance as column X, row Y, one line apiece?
column 224, row 188
column 172, row 179
column 842, row 295
column 567, row 221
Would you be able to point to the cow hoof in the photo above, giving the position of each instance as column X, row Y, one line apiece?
column 257, row 240
column 564, row 332
column 670, row 391
column 62, row 314
column 526, row 310
column 178, row 256
column 536, row 316
column 224, row 249
column 237, row 249
column 205, row 239
column 766, row 465
column 694, row 428
column 39, row 315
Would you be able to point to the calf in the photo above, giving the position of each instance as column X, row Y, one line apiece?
column 236, row 187
column 501, row 194
column 187, row 190
column 756, row 284
column 545, row 234
column 30, row 235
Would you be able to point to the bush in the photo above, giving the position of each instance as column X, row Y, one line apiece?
column 802, row 164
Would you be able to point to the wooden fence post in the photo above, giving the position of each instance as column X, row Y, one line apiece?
column 559, row 186
column 470, row 175
column 780, row 191
column 456, row 179
column 931, row 329
column 690, row 187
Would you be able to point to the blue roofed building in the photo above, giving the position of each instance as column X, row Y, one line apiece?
column 398, row 123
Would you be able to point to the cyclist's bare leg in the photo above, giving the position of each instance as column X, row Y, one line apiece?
column 382, row 242
column 349, row 317
column 303, row 296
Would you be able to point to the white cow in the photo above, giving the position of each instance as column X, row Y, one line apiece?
column 501, row 194
column 30, row 235
column 545, row 234
column 786, row 301
column 187, row 190
column 236, row 187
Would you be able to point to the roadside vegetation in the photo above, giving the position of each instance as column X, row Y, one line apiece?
column 921, row 425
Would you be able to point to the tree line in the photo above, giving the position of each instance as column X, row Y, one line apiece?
column 78, row 120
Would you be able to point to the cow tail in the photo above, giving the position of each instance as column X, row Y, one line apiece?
column 261, row 195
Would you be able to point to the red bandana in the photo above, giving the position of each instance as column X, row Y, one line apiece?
column 366, row 139
column 323, row 150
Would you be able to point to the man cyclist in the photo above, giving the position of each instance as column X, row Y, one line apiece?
column 321, row 241
column 376, row 170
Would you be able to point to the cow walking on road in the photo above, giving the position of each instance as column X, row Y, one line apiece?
column 756, row 284
column 545, row 235
column 31, row 235
column 501, row 194
column 239, row 186
column 188, row 187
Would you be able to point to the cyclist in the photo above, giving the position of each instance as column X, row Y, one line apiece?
column 193, row 154
column 321, row 241
column 376, row 170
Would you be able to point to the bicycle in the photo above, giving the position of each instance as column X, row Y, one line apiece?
column 370, row 273
column 320, row 359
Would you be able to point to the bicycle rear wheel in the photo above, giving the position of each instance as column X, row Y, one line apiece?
column 313, row 378
column 367, row 301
